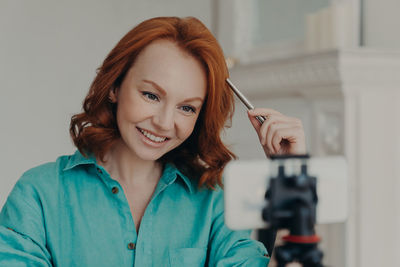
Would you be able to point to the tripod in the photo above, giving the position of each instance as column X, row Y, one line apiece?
column 292, row 200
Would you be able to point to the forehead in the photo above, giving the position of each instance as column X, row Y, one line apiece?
column 173, row 69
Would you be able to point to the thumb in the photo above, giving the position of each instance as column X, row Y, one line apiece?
column 253, row 121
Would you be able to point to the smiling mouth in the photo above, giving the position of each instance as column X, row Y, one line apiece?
column 152, row 137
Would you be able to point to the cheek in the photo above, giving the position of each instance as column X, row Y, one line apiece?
column 132, row 110
column 185, row 128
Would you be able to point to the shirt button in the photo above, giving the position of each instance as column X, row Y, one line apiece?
column 131, row 246
column 115, row 190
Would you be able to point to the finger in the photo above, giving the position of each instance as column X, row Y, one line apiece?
column 271, row 120
column 290, row 138
column 277, row 121
column 263, row 111
column 266, row 112
column 274, row 124
column 256, row 124
column 262, row 129
column 274, row 135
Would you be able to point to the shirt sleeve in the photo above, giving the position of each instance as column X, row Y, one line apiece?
column 22, row 232
column 233, row 248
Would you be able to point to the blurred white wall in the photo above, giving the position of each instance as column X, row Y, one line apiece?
column 49, row 52
column 282, row 19
column 381, row 24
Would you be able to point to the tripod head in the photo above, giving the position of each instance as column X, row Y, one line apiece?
column 292, row 200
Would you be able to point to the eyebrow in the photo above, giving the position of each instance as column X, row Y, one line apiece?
column 164, row 93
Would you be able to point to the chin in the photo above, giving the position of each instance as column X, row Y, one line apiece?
column 150, row 156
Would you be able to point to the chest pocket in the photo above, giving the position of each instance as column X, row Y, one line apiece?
column 187, row 257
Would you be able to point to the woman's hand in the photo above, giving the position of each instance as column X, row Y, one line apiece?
column 279, row 134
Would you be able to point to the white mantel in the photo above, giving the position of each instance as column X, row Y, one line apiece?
column 326, row 73
column 351, row 105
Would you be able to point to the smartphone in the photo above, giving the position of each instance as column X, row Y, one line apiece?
column 246, row 181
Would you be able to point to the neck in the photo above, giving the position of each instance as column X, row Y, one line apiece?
column 128, row 169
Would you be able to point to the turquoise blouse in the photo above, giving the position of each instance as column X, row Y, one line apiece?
column 72, row 213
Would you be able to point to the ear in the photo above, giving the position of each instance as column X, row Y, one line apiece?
column 112, row 96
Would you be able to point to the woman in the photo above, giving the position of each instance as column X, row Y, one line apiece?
column 144, row 187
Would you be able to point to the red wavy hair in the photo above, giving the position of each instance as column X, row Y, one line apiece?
column 203, row 154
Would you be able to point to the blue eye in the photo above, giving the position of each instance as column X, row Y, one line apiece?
column 150, row 96
column 189, row 109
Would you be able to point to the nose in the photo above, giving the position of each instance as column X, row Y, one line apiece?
column 164, row 119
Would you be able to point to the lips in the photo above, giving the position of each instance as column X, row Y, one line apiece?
column 153, row 137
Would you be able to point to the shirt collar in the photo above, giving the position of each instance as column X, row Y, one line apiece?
column 78, row 159
column 170, row 173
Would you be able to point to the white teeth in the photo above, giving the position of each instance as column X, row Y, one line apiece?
column 153, row 137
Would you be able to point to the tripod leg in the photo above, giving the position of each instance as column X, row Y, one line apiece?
column 284, row 254
column 312, row 257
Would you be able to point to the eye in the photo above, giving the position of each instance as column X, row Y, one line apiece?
column 188, row 109
column 150, row 96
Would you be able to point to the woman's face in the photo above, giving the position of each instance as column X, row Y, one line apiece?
column 159, row 100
